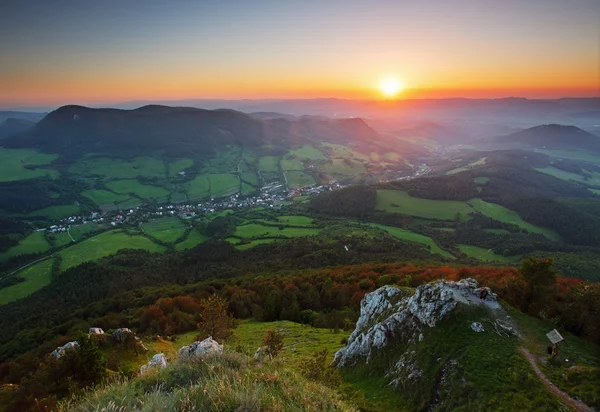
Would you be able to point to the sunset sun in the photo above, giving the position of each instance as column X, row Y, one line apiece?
column 391, row 86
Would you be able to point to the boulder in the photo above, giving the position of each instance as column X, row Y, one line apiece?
column 477, row 327
column 158, row 361
column 197, row 350
column 121, row 334
column 95, row 331
column 60, row 351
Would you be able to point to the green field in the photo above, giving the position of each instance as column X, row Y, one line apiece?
column 19, row 164
column 179, row 166
column 344, row 152
column 595, row 191
column 103, row 197
column 291, row 163
column 497, row 231
column 36, row 276
column 223, row 184
column 299, row 179
column 255, row 230
column 103, row 245
column 404, row 234
column 251, row 243
column 468, row 166
column 296, row 220
column 119, row 168
column 193, row 239
column 426, row 208
column 55, row 212
column 137, row 188
column 343, row 167
column 481, row 180
column 251, row 178
column 34, row 243
column 505, row 215
column 591, row 178
column 307, row 153
column 167, row 229
column 268, row 163
column 199, row 187
column 486, row 255
column 571, row 154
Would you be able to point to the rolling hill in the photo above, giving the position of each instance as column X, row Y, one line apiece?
column 553, row 136
column 13, row 125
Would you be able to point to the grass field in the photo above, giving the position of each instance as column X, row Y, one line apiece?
column 36, row 277
column 179, row 166
column 103, row 197
column 344, row 152
column 467, row 167
column 103, row 245
column 251, row 178
column 119, row 168
column 590, row 178
column 255, row 230
column 299, row 179
column 137, row 188
column 481, row 180
column 251, row 243
column 55, row 212
column 291, row 163
column 404, row 234
column 296, row 220
column 426, row 208
column 34, row 243
column 167, row 229
column 307, row 152
column 199, row 187
column 193, row 239
column 571, row 154
column 13, row 163
column 223, row 184
column 497, row 231
column 505, row 215
column 343, row 167
column 268, row 163
column 486, row 255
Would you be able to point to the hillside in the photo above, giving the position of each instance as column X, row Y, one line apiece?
column 12, row 126
column 553, row 136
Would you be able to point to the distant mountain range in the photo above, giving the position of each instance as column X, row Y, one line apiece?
column 553, row 136
column 11, row 126
column 12, row 114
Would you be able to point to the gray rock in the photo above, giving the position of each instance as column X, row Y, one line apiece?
column 197, row 350
column 60, row 351
column 158, row 361
column 95, row 331
column 477, row 327
column 121, row 334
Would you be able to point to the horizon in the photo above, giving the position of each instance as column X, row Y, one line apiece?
column 102, row 54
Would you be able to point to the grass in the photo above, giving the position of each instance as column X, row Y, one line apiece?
column 299, row 179
column 590, row 178
column 291, row 163
column 469, row 166
column 20, row 164
column 296, row 220
column 34, row 243
column 193, row 239
column 137, row 188
column 505, row 215
column 404, row 234
column 55, row 212
column 250, row 244
column 486, row 255
column 344, row 152
column 571, row 154
column 179, row 166
column 425, row 208
column 307, row 152
column 167, row 229
column 103, row 197
column 36, row 277
column 102, row 245
column 119, row 168
column 253, row 230
column 343, row 167
column 251, row 178
column 268, row 164
column 481, row 180
column 223, row 184
column 199, row 187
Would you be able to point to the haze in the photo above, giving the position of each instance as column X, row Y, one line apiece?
column 63, row 52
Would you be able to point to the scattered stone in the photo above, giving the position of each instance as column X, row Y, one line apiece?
column 158, row 361
column 477, row 327
column 95, row 331
column 60, row 351
column 197, row 350
column 121, row 334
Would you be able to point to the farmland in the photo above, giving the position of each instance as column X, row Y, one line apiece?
column 486, row 255
column 103, row 197
column 193, row 239
column 396, row 201
column 268, row 163
column 299, row 179
column 118, row 168
column 167, row 229
column 36, row 276
column 34, row 243
column 223, row 184
column 407, row 235
column 137, row 188
column 20, row 164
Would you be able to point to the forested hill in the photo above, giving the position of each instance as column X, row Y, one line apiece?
column 554, row 136
column 176, row 131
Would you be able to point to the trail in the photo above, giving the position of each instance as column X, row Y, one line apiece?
column 29, row 264
column 578, row 405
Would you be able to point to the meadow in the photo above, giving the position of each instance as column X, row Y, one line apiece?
column 179, row 166
column 299, row 179
column 103, row 197
column 36, row 277
column 34, row 243
column 571, row 154
column 469, row 166
column 591, row 178
column 407, row 235
column 268, row 163
column 199, row 187
column 20, row 164
column 396, row 201
column 118, row 168
column 486, row 255
column 138, row 189
column 254, row 230
column 167, row 229
column 55, row 212
column 307, row 152
column 193, row 239
column 343, row 167
column 223, row 184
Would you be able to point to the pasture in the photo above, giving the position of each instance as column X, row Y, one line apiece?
column 250, row 244
column 296, row 220
column 299, row 179
column 571, row 154
column 167, row 229
column 481, row 180
column 407, row 235
column 268, row 164
column 505, row 215
column 254, row 230
column 590, row 178
column 396, row 201
column 291, row 163
column 343, row 167
column 193, row 239
column 251, row 178
column 19, row 164
column 36, row 277
column 102, row 245
column 486, row 255
column 34, row 243
column 55, row 212
column 179, row 166
column 223, row 184
column 344, row 152
column 138, row 189
column 199, row 187
column 469, row 166
column 103, row 197
column 307, row 152
column 119, row 168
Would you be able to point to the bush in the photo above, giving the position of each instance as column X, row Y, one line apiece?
column 273, row 343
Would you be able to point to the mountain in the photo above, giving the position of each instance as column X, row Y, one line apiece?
column 177, row 130
column 553, row 136
column 12, row 125
column 12, row 114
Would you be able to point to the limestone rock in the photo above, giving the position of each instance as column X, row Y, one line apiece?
column 477, row 327
column 95, row 331
column 158, row 361
column 120, row 335
column 197, row 350
column 60, row 351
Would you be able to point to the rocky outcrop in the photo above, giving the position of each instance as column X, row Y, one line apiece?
column 60, row 351
column 121, row 334
column 158, row 361
column 95, row 331
column 391, row 313
column 198, row 350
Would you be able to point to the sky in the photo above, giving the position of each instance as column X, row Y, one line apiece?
column 92, row 52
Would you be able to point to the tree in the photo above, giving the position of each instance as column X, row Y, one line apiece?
column 540, row 280
column 215, row 321
column 317, row 369
column 272, row 342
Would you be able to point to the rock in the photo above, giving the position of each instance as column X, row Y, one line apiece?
column 95, row 331
column 158, row 361
column 200, row 349
column 477, row 327
column 121, row 334
column 60, row 351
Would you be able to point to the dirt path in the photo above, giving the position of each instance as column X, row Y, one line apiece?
column 578, row 405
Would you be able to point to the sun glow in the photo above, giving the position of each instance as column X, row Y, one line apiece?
column 391, row 86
